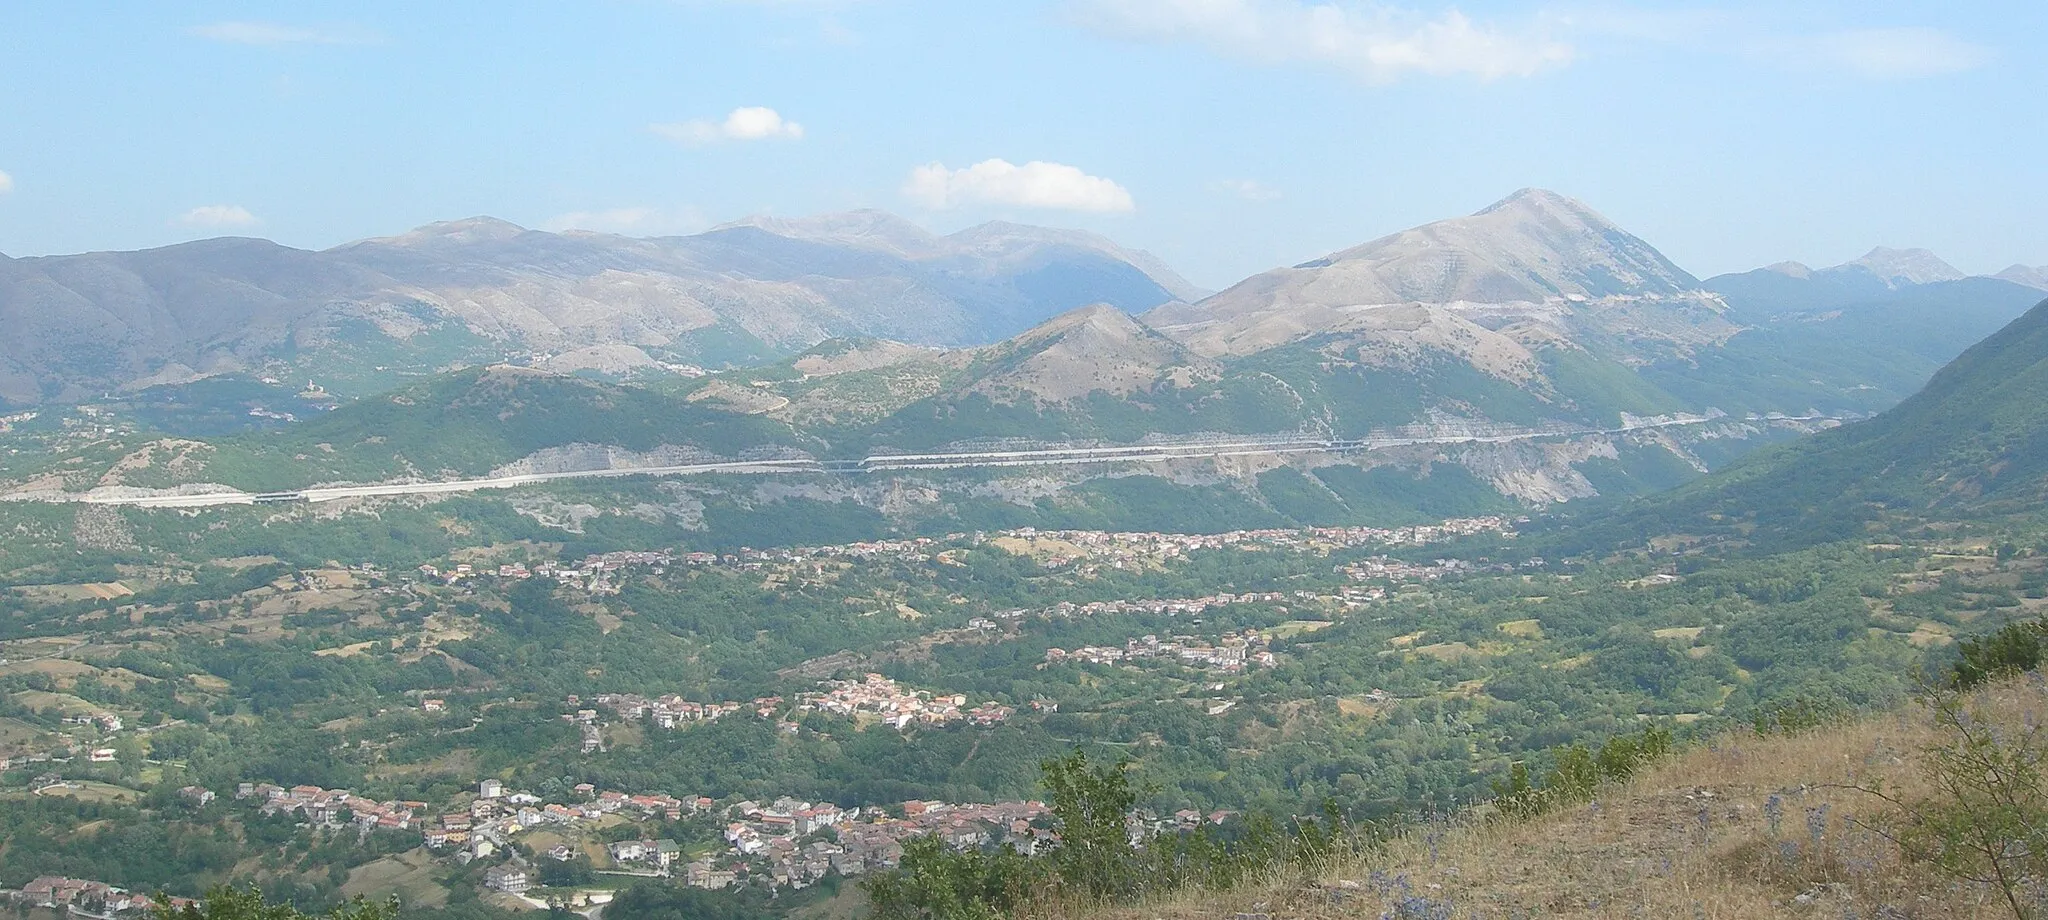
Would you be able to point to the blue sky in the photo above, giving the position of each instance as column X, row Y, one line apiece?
column 1228, row 136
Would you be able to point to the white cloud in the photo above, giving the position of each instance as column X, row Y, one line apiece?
column 1869, row 53
column 748, row 123
column 219, row 215
column 1037, row 184
column 1892, row 54
column 273, row 33
column 1247, row 189
column 634, row 221
column 6, row 183
column 1376, row 43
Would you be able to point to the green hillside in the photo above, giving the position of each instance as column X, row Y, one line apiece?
column 1974, row 443
column 1862, row 353
column 470, row 422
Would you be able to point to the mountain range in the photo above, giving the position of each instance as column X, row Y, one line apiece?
column 480, row 290
column 862, row 333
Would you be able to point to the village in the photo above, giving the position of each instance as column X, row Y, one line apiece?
column 85, row 898
column 1231, row 654
column 873, row 698
column 598, row 574
column 785, row 843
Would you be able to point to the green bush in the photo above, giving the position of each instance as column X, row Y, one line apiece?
column 2016, row 648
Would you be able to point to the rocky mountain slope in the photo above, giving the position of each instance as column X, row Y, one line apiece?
column 480, row 290
column 1532, row 270
column 1518, row 356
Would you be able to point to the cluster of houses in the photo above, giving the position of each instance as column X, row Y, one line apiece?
column 106, row 721
column 878, row 696
column 7, row 422
column 324, row 807
column 1120, row 550
column 873, row 696
column 666, row 711
column 497, row 815
column 786, row 843
column 85, row 898
column 1381, row 568
column 795, row 844
column 596, row 573
column 1231, row 654
column 1174, row 607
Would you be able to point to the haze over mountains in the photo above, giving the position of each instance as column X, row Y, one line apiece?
column 2030, row 276
column 863, row 333
column 481, row 289
column 1973, row 444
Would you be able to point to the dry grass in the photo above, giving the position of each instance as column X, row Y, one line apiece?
column 410, row 875
column 1522, row 629
column 1747, row 827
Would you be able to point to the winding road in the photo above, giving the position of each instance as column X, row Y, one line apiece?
column 1151, row 453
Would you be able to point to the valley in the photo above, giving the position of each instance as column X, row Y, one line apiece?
column 558, row 619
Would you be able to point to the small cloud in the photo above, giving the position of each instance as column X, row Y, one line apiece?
column 749, row 123
column 1376, row 43
column 6, row 183
column 273, row 33
column 636, row 221
column 1247, row 189
column 219, row 215
column 1037, row 184
column 1898, row 54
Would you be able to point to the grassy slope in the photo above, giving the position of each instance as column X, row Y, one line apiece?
column 1693, row 838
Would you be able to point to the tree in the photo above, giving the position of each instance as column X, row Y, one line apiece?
column 2016, row 648
column 1090, row 805
column 935, row 883
column 229, row 903
column 1986, row 818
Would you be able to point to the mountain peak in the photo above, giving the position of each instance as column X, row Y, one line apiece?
column 1790, row 269
column 1531, row 246
column 1541, row 201
column 1096, row 348
column 2027, row 275
column 479, row 229
column 867, row 228
column 1098, row 318
column 1906, row 266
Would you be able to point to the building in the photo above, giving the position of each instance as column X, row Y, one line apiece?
column 490, row 789
column 510, row 878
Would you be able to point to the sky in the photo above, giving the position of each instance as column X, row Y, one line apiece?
column 1226, row 136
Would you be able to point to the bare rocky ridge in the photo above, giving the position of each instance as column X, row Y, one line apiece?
column 1535, row 270
column 1096, row 349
